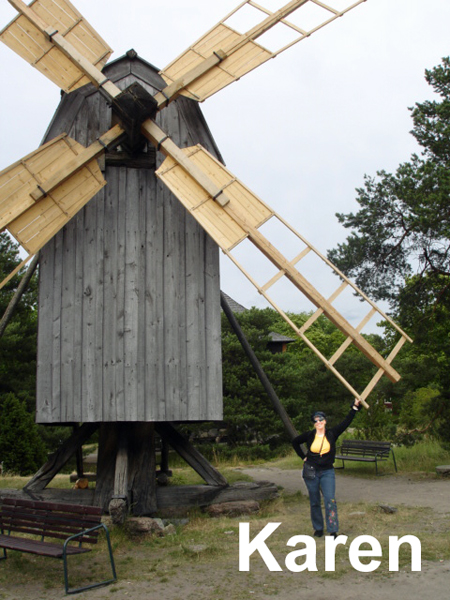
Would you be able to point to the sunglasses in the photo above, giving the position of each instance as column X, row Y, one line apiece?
column 319, row 419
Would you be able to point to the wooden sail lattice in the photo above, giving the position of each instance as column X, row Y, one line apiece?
column 32, row 222
column 239, row 53
column 239, row 218
column 35, row 45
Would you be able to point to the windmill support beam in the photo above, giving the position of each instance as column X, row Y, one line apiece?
column 60, row 458
column 276, row 403
column 23, row 285
column 190, row 454
column 126, row 469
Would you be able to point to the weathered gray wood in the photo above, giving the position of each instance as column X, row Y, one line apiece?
column 57, row 396
column 59, row 458
column 213, row 344
column 126, row 467
column 44, row 347
column 130, row 326
column 106, row 463
column 142, row 472
column 172, row 498
column 190, row 454
column 121, row 472
column 177, row 497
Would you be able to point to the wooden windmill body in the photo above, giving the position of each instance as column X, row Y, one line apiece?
column 129, row 309
column 129, row 312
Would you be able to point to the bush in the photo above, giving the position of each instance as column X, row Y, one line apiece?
column 21, row 449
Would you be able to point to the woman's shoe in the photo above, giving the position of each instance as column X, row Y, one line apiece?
column 318, row 533
column 334, row 534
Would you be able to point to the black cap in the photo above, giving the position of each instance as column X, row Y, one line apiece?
column 318, row 413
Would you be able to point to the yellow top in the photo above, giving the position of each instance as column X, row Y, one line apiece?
column 320, row 445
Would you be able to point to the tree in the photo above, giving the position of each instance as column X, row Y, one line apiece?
column 21, row 449
column 399, row 250
column 299, row 378
column 18, row 344
column 400, row 243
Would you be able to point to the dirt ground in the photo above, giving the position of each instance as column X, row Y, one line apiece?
column 198, row 580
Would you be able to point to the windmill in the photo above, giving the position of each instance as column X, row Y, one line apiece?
column 41, row 200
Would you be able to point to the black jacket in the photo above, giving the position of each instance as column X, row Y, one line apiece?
column 326, row 460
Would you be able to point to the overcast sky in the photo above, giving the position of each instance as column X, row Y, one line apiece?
column 301, row 131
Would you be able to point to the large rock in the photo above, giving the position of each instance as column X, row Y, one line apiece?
column 443, row 470
column 233, row 509
column 145, row 526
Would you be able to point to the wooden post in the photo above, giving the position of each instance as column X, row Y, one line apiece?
column 190, row 454
column 279, row 408
column 164, row 466
column 118, row 506
column 126, row 470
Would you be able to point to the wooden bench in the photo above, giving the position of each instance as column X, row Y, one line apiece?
column 29, row 525
column 365, row 451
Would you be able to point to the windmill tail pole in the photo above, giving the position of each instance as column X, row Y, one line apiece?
column 18, row 295
column 279, row 408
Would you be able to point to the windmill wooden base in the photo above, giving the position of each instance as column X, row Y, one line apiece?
column 126, row 481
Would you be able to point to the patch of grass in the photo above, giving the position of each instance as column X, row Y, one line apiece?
column 419, row 460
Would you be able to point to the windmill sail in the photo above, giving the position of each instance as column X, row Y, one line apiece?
column 239, row 217
column 33, row 222
column 226, row 54
column 32, row 40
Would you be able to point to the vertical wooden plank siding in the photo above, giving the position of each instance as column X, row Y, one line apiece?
column 129, row 306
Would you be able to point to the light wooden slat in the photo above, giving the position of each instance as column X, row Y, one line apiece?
column 280, row 274
column 15, row 271
column 313, row 318
column 301, row 335
column 340, row 274
column 379, row 374
column 340, row 351
column 61, row 14
column 247, row 58
column 223, row 228
column 44, row 171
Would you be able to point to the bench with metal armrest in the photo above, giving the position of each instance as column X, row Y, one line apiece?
column 29, row 525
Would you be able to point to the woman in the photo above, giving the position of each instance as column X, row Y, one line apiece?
column 321, row 445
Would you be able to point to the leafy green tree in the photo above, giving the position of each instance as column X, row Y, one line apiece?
column 400, row 241
column 375, row 423
column 399, row 250
column 18, row 343
column 21, row 449
column 418, row 407
column 299, row 378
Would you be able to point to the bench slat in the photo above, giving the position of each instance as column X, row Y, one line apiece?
column 37, row 547
column 50, row 520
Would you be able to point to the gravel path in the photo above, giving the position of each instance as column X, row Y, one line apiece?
column 389, row 489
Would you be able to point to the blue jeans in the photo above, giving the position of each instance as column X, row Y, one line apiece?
column 324, row 482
